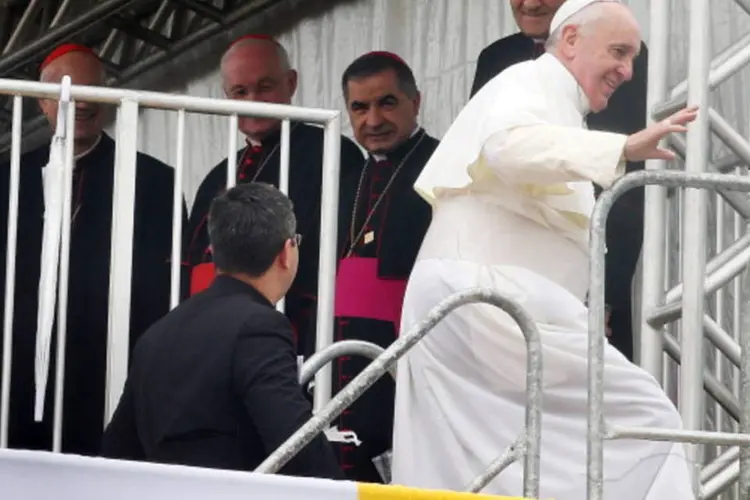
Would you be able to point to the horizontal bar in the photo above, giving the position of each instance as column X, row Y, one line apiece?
column 729, row 65
column 721, row 482
column 162, row 100
column 677, row 436
column 727, row 163
column 737, row 201
column 713, row 386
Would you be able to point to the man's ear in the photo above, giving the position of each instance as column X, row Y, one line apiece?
column 417, row 103
column 568, row 39
column 285, row 256
column 293, row 78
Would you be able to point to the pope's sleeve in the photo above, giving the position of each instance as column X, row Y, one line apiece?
column 541, row 153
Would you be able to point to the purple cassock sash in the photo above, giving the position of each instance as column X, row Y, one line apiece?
column 360, row 293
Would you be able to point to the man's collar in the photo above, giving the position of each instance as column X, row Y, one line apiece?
column 397, row 149
column 89, row 150
column 564, row 82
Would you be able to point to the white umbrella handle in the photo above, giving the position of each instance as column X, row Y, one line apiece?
column 62, row 106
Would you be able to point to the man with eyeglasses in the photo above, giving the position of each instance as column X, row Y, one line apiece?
column 214, row 383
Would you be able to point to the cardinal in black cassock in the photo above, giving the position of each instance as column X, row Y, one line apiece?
column 88, row 292
column 382, row 223
column 259, row 161
column 626, row 114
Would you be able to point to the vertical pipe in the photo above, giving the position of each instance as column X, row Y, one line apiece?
column 692, row 398
column 655, row 211
column 232, row 151
column 327, row 260
column 10, row 267
column 719, row 306
column 284, row 178
column 744, row 482
column 121, row 267
column 179, row 169
column 62, row 301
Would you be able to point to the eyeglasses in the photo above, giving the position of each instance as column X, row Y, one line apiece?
column 297, row 239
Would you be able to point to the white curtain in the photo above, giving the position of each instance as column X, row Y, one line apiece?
column 440, row 39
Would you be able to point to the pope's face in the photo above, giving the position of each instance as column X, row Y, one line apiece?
column 601, row 55
column 533, row 17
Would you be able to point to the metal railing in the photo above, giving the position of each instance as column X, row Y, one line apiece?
column 129, row 104
column 528, row 445
column 337, row 350
column 598, row 431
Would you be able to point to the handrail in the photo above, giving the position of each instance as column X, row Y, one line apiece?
column 336, row 350
column 376, row 369
column 597, row 429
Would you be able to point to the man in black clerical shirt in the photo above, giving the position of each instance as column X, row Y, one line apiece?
column 382, row 224
column 257, row 68
column 88, row 292
column 625, row 113
column 215, row 382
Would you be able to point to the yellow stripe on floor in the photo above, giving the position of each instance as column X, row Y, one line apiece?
column 367, row 491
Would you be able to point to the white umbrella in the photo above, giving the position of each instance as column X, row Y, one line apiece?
column 54, row 185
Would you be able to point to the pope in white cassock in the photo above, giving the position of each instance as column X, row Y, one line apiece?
column 511, row 189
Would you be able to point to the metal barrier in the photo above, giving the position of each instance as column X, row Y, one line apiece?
column 337, row 350
column 597, row 429
column 129, row 104
column 530, row 442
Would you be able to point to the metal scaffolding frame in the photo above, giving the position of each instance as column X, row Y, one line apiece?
column 717, row 368
column 132, row 37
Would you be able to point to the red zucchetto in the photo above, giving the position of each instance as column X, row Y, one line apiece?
column 60, row 51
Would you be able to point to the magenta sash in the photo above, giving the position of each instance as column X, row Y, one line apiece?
column 360, row 293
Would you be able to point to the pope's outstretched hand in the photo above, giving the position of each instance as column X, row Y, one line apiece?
column 644, row 145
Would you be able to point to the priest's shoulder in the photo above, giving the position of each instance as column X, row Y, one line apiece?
column 431, row 142
column 315, row 132
column 33, row 159
column 507, row 46
column 352, row 157
column 152, row 168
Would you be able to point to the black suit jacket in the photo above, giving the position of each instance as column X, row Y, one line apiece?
column 626, row 114
column 215, row 384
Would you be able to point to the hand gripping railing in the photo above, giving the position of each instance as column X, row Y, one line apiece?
column 597, row 430
column 336, row 350
column 530, row 441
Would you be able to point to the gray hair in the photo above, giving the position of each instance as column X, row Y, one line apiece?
column 281, row 53
column 583, row 19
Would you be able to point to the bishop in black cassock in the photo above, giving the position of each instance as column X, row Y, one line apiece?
column 88, row 286
column 260, row 162
column 258, row 64
column 382, row 223
column 88, row 292
column 625, row 113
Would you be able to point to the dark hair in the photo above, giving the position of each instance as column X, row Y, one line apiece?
column 378, row 62
column 248, row 227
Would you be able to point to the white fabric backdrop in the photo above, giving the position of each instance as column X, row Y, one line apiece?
column 440, row 39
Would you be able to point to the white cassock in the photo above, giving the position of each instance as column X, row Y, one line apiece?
column 511, row 188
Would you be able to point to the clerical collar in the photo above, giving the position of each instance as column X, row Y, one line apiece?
column 399, row 151
column 89, row 150
column 564, row 82
column 273, row 137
